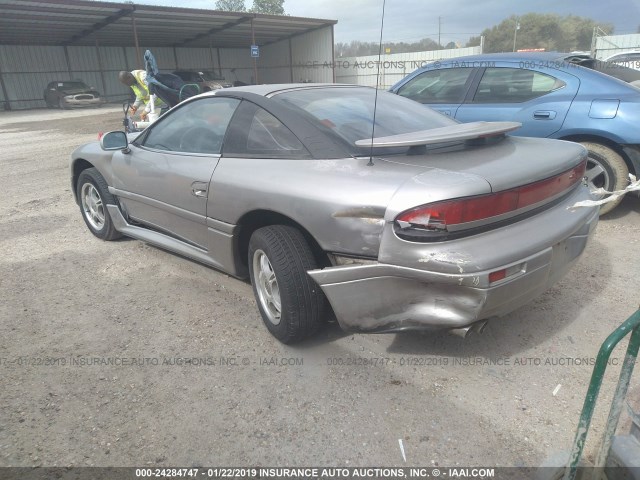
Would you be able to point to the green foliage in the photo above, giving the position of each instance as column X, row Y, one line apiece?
column 272, row 7
column 231, row 5
column 549, row 31
column 357, row 48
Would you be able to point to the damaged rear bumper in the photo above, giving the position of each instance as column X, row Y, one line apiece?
column 435, row 289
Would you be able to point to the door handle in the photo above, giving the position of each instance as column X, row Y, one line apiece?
column 544, row 114
column 199, row 189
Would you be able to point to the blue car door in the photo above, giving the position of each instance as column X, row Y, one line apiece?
column 537, row 98
column 443, row 89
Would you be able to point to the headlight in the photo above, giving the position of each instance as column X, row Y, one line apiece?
column 68, row 97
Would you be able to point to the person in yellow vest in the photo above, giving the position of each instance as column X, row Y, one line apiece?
column 137, row 81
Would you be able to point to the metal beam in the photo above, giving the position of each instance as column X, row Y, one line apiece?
column 213, row 31
column 5, row 94
column 255, row 61
column 290, row 61
column 68, row 60
column 101, row 67
column 297, row 34
column 135, row 41
column 100, row 25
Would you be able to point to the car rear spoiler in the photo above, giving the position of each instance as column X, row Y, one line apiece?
column 451, row 133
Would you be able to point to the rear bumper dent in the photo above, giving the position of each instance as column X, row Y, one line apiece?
column 386, row 298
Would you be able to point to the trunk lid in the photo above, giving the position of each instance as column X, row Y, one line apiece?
column 510, row 163
column 503, row 164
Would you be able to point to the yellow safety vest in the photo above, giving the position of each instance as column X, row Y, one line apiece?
column 142, row 90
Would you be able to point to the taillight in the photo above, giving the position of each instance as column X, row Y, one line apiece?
column 453, row 215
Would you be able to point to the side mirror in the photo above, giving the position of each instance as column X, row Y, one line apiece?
column 114, row 141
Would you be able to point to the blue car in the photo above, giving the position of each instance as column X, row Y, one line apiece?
column 554, row 95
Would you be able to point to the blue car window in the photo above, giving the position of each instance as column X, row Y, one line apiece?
column 514, row 85
column 447, row 85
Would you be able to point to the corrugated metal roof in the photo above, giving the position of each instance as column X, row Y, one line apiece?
column 82, row 22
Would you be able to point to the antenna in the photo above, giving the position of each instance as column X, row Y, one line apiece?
column 375, row 102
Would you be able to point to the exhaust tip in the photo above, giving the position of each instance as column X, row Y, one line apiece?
column 479, row 327
column 460, row 332
column 464, row 332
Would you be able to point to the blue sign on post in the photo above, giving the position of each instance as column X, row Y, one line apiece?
column 255, row 51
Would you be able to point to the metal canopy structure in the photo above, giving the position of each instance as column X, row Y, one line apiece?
column 82, row 22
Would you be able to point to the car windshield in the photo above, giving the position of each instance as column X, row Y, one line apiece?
column 348, row 112
column 72, row 85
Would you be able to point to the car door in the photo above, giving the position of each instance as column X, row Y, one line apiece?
column 442, row 89
column 163, row 181
column 52, row 96
column 539, row 99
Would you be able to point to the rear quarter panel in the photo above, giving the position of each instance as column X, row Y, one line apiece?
column 341, row 203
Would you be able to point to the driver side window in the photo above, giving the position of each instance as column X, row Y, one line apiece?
column 197, row 127
column 443, row 85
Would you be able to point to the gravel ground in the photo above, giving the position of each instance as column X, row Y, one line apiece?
column 206, row 384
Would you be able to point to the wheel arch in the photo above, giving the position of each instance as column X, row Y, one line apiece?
column 77, row 167
column 634, row 166
column 255, row 219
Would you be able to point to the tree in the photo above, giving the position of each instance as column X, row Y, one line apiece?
column 548, row 31
column 271, row 7
column 231, row 5
column 357, row 48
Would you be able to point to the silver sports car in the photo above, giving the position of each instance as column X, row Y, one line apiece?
column 418, row 223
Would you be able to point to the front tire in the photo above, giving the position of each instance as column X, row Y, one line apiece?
column 93, row 196
column 292, row 305
column 606, row 169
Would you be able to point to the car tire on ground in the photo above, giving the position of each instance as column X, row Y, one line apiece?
column 292, row 305
column 93, row 196
column 606, row 169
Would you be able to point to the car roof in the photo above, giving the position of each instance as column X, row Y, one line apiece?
column 68, row 81
column 513, row 56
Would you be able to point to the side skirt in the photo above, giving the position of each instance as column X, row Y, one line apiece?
column 159, row 239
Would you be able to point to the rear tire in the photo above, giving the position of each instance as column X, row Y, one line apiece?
column 606, row 169
column 292, row 305
column 93, row 196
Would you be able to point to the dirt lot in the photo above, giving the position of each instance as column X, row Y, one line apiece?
column 196, row 380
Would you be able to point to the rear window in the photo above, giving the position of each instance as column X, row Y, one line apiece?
column 613, row 69
column 347, row 112
column 514, row 85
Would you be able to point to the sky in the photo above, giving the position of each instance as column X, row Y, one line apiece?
column 411, row 20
